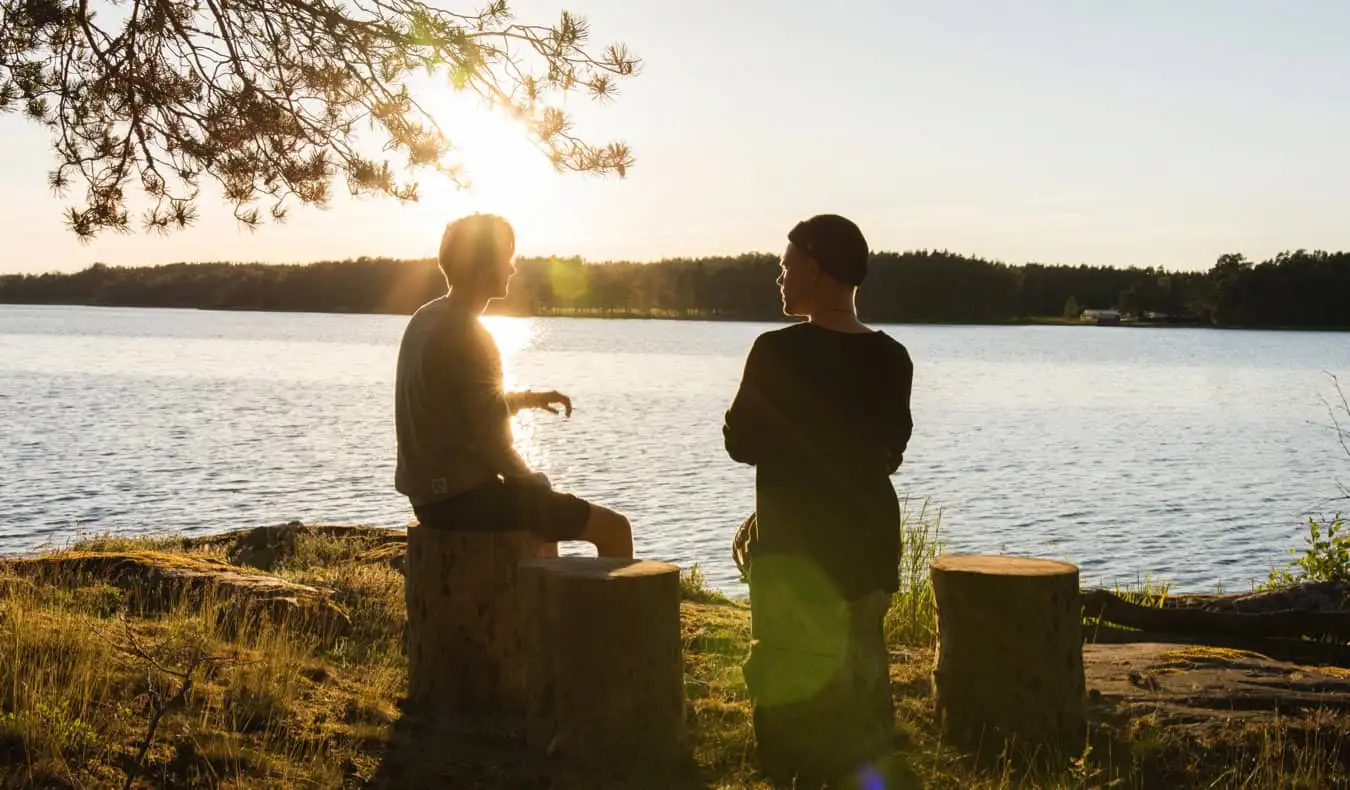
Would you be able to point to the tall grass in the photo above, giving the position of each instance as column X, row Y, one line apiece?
column 912, row 620
column 1146, row 591
column 694, row 587
column 81, row 681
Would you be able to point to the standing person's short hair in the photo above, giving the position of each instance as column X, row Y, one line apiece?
column 837, row 245
column 472, row 243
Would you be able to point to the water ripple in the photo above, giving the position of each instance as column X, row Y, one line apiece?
column 1194, row 460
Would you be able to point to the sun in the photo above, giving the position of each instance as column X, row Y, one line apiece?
column 495, row 150
column 507, row 173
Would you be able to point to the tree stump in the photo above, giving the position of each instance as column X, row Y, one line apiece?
column 605, row 678
column 1009, row 669
column 464, row 632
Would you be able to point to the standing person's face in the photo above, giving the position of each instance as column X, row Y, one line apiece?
column 797, row 281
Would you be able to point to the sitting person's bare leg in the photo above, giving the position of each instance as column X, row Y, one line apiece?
column 609, row 532
column 548, row 550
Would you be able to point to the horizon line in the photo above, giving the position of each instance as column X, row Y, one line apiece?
column 619, row 261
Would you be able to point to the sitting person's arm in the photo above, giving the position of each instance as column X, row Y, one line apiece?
column 489, row 427
column 475, row 387
column 548, row 401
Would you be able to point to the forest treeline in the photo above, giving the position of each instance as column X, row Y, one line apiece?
column 1293, row 289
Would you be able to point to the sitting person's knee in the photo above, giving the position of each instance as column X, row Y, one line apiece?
column 611, row 532
column 620, row 526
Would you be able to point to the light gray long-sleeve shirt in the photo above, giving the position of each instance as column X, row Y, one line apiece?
column 450, row 408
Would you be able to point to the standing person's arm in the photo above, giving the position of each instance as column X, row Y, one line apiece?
column 900, row 426
column 746, row 429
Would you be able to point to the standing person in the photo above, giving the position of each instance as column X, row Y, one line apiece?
column 823, row 415
column 457, row 463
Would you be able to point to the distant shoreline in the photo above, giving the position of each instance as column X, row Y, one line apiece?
column 655, row 316
column 1298, row 289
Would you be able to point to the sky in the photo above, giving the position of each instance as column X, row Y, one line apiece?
column 1148, row 133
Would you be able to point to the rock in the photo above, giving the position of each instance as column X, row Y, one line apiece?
column 1206, row 688
column 269, row 548
column 155, row 582
column 266, row 547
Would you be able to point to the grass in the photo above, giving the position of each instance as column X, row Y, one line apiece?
column 910, row 620
column 90, row 695
column 1147, row 591
column 80, row 681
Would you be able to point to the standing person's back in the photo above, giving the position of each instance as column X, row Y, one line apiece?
column 823, row 414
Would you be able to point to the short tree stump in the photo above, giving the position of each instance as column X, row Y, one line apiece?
column 1009, row 668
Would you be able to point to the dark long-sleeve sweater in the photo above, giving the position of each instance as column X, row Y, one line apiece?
column 825, row 418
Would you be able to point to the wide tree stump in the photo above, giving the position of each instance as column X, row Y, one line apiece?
column 605, row 677
column 1009, row 669
column 464, row 632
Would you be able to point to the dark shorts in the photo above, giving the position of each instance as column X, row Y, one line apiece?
column 505, row 506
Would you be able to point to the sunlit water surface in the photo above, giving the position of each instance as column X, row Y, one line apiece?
column 1191, row 455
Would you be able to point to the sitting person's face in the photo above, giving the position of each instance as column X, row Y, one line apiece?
column 476, row 256
column 497, row 275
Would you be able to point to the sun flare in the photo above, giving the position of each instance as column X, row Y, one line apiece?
column 512, row 334
column 507, row 173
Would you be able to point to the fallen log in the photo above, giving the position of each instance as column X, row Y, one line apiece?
column 154, row 583
column 1111, row 608
column 1328, row 596
column 1299, row 651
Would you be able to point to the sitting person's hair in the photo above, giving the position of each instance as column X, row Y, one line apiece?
column 471, row 243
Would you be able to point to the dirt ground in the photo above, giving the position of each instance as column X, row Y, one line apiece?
column 1207, row 687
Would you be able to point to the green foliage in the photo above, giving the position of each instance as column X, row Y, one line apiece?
column 1147, row 591
column 1326, row 558
column 694, row 587
column 273, row 99
column 50, row 727
column 1071, row 308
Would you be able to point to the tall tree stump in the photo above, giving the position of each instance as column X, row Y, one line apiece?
column 1009, row 669
column 464, row 632
column 605, row 679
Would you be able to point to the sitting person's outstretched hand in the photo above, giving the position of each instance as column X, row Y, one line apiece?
column 548, row 401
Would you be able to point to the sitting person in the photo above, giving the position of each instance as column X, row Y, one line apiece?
column 456, row 460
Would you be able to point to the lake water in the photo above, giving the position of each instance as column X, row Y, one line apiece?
column 1187, row 454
